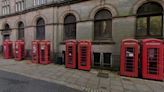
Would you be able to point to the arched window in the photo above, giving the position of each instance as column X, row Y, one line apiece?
column 70, row 27
column 6, row 32
column 103, row 25
column 40, row 29
column 20, row 31
column 149, row 20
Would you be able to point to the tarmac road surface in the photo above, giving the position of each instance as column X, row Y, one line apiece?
column 10, row 82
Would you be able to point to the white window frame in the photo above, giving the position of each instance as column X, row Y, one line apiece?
column 5, row 7
column 19, row 6
column 39, row 2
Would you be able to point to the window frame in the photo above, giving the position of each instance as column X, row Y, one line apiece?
column 38, row 37
column 148, row 18
column 6, row 31
column 100, row 20
column 21, row 29
column 69, row 24
column 5, row 7
column 19, row 6
column 39, row 2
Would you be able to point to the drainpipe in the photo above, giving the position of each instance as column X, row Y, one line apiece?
column 53, row 35
column 57, row 37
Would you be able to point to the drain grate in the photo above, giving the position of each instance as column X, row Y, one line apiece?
column 103, row 87
column 125, row 79
column 103, row 75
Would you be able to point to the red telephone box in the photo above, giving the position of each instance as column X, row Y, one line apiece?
column 84, row 55
column 152, row 59
column 70, row 56
column 19, row 50
column 7, row 49
column 44, row 52
column 129, row 58
column 35, row 51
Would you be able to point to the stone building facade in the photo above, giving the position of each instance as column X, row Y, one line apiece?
column 104, row 22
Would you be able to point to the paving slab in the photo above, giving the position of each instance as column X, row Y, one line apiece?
column 86, row 81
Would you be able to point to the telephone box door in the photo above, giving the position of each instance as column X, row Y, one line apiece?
column 84, row 55
column 7, row 49
column 129, row 58
column 35, row 51
column 44, row 52
column 19, row 50
column 152, row 59
column 70, row 56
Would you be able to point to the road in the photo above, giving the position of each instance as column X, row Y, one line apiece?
column 10, row 82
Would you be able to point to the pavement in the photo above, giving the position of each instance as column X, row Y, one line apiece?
column 81, row 80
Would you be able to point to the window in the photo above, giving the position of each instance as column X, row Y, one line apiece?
column 19, row 5
column 102, row 60
column 103, row 25
column 5, row 7
column 20, row 31
column 149, row 20
column 40, row 29
column 39, row 2
column 6, row 33
column 70, row 27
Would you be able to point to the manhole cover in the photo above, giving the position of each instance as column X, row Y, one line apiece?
column 103, row 75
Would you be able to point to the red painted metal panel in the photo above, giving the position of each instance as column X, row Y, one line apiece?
column 7, row 49
column 44, row 52
column 152, row 59
column 129, row 58
column 70, row 56
column 35, row 51
column 19, row 50
column 84, row 55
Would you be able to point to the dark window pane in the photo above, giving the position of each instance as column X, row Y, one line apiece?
column 97, row 59
column 6, row 33
column 69, row 19
column 103, row 25
column 40, row 29
column 141, row 26
column 40, row 22
column 150, row 20
column 70, row 27
column 107, row 59
column 7, row 27
column 70, row 31
column 103, row 29
column 21, row 31
column 155, row 25
column 103, row 14
column 5, row 37
column 150, row 8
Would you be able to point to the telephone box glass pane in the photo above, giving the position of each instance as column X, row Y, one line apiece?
column 70, row 52
column 83, row 56
column 129, row 63
column 43, row 53
column 152, row 61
